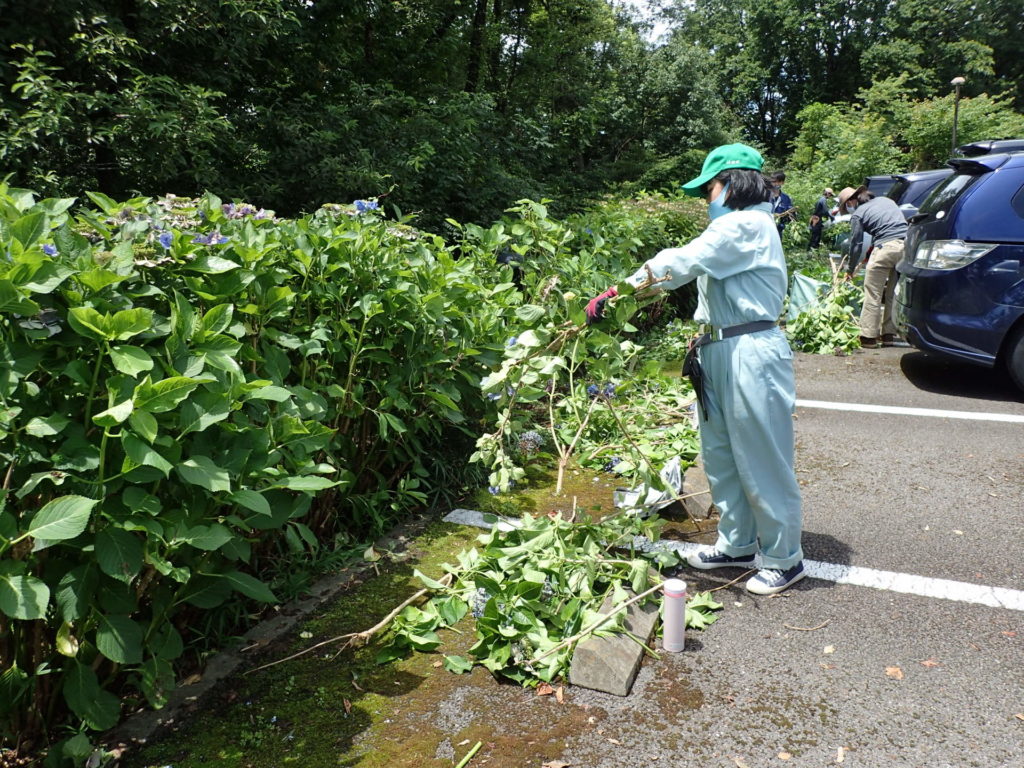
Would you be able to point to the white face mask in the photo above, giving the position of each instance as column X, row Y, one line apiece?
column 850, row 208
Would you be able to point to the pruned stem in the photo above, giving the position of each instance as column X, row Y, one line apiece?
column 595, row 624
column 357, row 639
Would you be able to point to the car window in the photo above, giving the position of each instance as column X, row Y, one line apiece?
column 1017, row 203
column 897, row 190
column 944, row 195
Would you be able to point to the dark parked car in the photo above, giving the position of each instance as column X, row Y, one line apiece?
column 961, row 286
column 990, row 147
column 879, row 186
column 911, row 189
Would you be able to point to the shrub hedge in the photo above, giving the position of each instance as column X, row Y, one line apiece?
column 193, row 390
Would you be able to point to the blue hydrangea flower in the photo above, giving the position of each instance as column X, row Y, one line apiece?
column 233, row 211
column 493, row 490
column 493, row 396
column 479, row 601
column 512, row 341
column 609, row 390
column 214, row 238
column 362, row 206
column 592, row 390
column 166, row 238
column 530, row 442
column 611, row 464
column 50, row 250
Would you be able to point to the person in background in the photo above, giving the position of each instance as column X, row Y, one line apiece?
column 881, row 218
column 742, row 369
column 821, row 213
column 782, row 204
column 508, row 257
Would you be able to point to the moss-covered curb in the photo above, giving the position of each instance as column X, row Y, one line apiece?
column 337, row 707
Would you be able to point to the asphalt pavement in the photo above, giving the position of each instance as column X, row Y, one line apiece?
column 833, row 673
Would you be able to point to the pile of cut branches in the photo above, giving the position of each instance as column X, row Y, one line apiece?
column 536, row 590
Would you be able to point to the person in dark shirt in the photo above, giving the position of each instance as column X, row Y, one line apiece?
column 881, row 218
column 508, row 257
column 819, row 216
column 782, row 204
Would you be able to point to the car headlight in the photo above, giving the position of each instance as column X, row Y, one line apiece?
column 949, row 254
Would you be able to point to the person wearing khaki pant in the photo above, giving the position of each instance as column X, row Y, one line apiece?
column 881, row 218
column 879, row 283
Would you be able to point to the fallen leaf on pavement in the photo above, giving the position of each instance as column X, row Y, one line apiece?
column 1019, row 715
column 930, row 663
column 894, row 672
column 544, row 690
column 560, row 694
column 438, row 663
column 615, row 741
column 784, row 756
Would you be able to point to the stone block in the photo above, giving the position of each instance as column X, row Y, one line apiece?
column 610, row 664
column 697, row 492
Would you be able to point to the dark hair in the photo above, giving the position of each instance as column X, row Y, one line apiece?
column 746, row 188
column 778, row 176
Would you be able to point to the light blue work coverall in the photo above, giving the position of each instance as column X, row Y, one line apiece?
column 747, row 438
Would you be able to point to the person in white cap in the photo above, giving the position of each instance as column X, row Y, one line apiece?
column 881, row 218
column 821, row 213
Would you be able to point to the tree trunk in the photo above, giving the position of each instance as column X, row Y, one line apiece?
column 494, row 67
column 476, row 46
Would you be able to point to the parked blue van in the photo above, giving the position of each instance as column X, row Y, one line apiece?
column 961, row 282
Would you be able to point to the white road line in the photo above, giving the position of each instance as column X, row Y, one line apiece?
column 898, row 410
column 905, row 583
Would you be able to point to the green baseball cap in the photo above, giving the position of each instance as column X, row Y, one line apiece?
column 724, row 158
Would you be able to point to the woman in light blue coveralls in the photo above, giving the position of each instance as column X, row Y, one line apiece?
column 746, row 414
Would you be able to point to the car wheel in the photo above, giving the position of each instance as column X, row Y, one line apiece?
column 1015, row 357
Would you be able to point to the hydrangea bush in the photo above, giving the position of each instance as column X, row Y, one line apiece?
column 195, row 391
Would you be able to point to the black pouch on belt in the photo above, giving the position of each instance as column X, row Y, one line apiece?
column 692, row 369
column 691, row 363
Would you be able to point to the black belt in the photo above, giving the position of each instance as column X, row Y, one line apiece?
column 691, row 364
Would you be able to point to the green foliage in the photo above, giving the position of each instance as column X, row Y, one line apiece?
column 533, row 589
column 845, row 145
column 888, row 132
column 191, row 390
column 198, row 394
column 556, row 373
column 828, row 326
column 928, row 126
